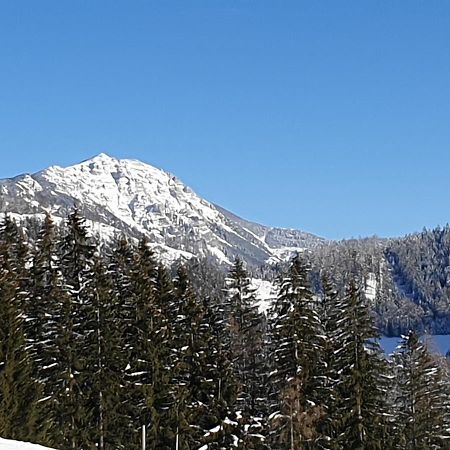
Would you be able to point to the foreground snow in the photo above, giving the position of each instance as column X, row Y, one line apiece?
column 6, row 444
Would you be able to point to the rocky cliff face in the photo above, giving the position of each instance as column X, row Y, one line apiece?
column 131, row 197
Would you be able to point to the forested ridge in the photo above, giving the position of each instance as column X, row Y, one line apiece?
column 406, row 279
column 98, row 340
column 409, row 277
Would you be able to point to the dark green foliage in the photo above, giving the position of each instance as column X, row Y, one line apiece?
column 246, row 329
column 329, row 378
column 220, row 423
column 361, row 383
column 94, row 344
column 78, row 337
column 108, row 392
column 297, row 345
column 118, row 324
column 44, row 324
column 194, row 348
column 20, row 413
column 42, row 308
column 148, row 372
column 422, row 409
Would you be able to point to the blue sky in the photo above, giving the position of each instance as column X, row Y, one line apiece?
column 333, row 117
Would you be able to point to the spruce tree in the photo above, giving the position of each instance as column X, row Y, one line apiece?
column 362, row 383
column 422, row 414
column 297, row 412
column 191, row 384
column 43, row 313
column 329, row 314
column 108, row 390
column 20, row 412
column 77, row 336
column 122, row 335
column 221, row 429
column 247, row 347
column 148, row 373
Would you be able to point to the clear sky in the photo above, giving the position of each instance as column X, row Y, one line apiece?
column 328, row 116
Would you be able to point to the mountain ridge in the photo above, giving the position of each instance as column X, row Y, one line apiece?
column 405, row 279
column 131, row 197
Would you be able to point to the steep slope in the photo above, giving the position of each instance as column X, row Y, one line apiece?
column 128, row 196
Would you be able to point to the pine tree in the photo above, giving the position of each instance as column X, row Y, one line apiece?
column 43, row 312
column 422, row 397
column 121, row 334
column 78, row 337
column 191, row 386
column 148, row 374
column 247, row 347
column 221, row 429
column 329, row 314
column 297, row 363
column 112, row 421
column 20, row 412
column 37, row 308
column 362, row 369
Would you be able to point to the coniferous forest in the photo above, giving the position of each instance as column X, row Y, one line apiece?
column 98, row 340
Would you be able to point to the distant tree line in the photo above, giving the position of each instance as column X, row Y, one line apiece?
column 411, row 275
column 96, row 341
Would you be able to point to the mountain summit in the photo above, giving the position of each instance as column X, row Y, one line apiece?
column 128, row 196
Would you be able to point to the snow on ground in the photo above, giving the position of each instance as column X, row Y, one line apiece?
column 283, row 254
column 265, row 294
column 6, row 444
column 219, row 255
column 371, row 287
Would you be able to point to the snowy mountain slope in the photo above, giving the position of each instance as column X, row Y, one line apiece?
column 6, row 444
column 131, row 197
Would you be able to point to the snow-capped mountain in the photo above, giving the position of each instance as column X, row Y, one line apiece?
column 131, row 197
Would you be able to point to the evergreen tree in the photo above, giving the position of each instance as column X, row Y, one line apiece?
column 422, row 397
column 329, row 314
column 121, row 334
column 192, row 388
column 247, row 348
column 95, row 345
column 108, row 390
column 148, row 374
column 297, row 352
column 39, row 334
column 19, row 393
column 43, row 313
column 78, row 337
column 362, row 383
column 220, row 424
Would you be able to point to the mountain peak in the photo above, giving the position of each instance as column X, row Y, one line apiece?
column 102, row 157
column 110, row 164
column 132, row 197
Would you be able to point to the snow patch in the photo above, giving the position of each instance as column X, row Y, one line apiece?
column 265, row 292
column 6, row 444
column 371, row 286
